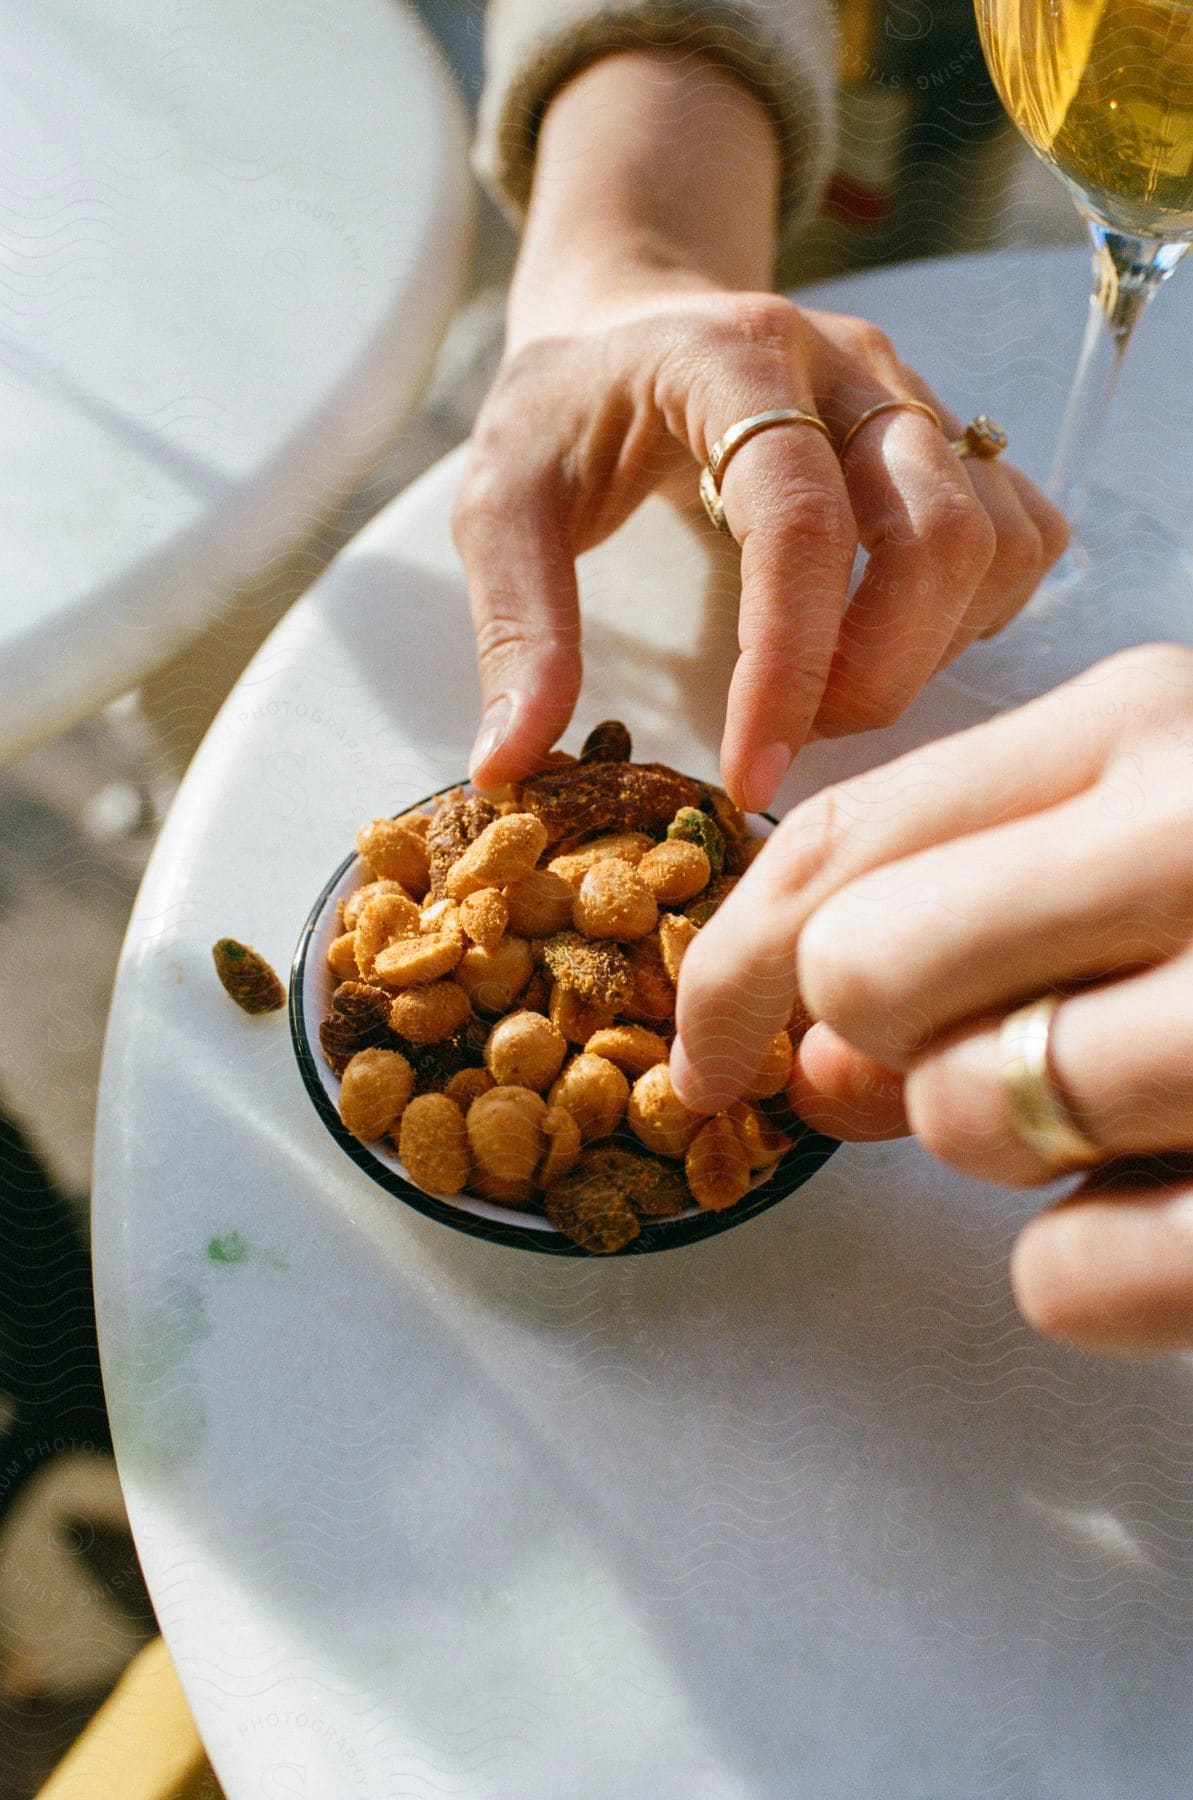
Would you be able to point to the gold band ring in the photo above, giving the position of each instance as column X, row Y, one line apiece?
column 1042, row 1119
column 732, row 441
column 981, row 438
column 886, row 406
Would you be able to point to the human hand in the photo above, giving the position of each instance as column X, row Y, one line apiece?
column 914, row 907
column 634, row 343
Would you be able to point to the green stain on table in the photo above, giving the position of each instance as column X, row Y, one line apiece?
column 234, row 1247
column 231, row 1248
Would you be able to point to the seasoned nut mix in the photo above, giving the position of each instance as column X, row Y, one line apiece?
column 507, row 1140
column 354, row 905
column 632, row 1047
column 382, row 921
column 716, row 1165
column 525, row 1050
column 341, row 958
column 374, row 1090
column 408, row 962
column 493, row 979
column 577, row 1019
column 433, row 1144
column 426, row 1014
column 539, row 904
column 246, row 977
column 675, row 934
column 598, row 973
column 394, row 852
column 594, row 1215
column 675, row 871
column 614, row 902
column 523, row 931
column 629, row 846
column 484, row 915
column 587, row 798
column 774, row 1069
column 563, row 1145
column 657, row 1116
column 595, row 1093
column 506, row 851
column 607, row 742
column 456, row 822
column 691, row 825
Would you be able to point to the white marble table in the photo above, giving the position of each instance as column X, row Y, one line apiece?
column 231, row 237
column 799, row 1513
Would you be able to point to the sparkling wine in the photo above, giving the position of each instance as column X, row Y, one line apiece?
column 1103, row 91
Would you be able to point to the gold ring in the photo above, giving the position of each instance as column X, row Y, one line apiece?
column 886, row 406
column 981, row 438
column 1042, row 1119
column 732, row 440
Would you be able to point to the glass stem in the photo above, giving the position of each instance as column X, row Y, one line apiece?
column 1126, row 273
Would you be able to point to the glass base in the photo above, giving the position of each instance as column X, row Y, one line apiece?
column 1124, row 581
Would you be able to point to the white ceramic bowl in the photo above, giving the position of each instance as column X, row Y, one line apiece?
column 311, row 986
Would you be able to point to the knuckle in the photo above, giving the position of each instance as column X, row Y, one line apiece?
column 1054, row 533
column 500, row 632
column 931, row 1101
column 836, row 980
column 811, row 512
column 482, row 503
column 957, row 528
column 810, row 843
column 875, row 349
column 1020, row 557
column 875, row 707
column 764, row 322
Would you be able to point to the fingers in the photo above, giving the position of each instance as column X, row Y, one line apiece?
column 1111, row 1268
column 511, row 531
column 787, row 505
column 838, row 1090
column 739, row 976
column 798, row 537
column 930, row 543
column 1120, row 1056
column 895, row 957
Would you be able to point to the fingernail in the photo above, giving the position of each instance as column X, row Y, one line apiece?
column 493, row 727
column 681, row 1074
column 764, row 775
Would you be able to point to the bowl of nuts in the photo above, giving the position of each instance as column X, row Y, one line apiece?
column 483, row 1001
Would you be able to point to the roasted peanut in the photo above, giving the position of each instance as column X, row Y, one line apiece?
column 539, row 904
column 595, row 1093
column 675, row 934
column 396, row 852
column 374, row 1089
column 433, row 1144
column 675, row 871
column 716, row 1165
column 525, row 1050
column 506, row 851
column 506, row 1137
column 773, row 1070
column 494, row 978
column 484, row 916
column 428, row 1013
column 632, row 1047
column 657, row 1116
column 382, row 921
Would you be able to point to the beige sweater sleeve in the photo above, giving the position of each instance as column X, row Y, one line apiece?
column 783, row 48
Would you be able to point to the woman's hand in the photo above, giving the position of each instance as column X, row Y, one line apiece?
column 915, row 907
column 639, row 331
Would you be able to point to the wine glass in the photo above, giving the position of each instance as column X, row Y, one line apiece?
column 1103, row 92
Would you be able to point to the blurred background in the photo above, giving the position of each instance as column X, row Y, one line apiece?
column 925, row 167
